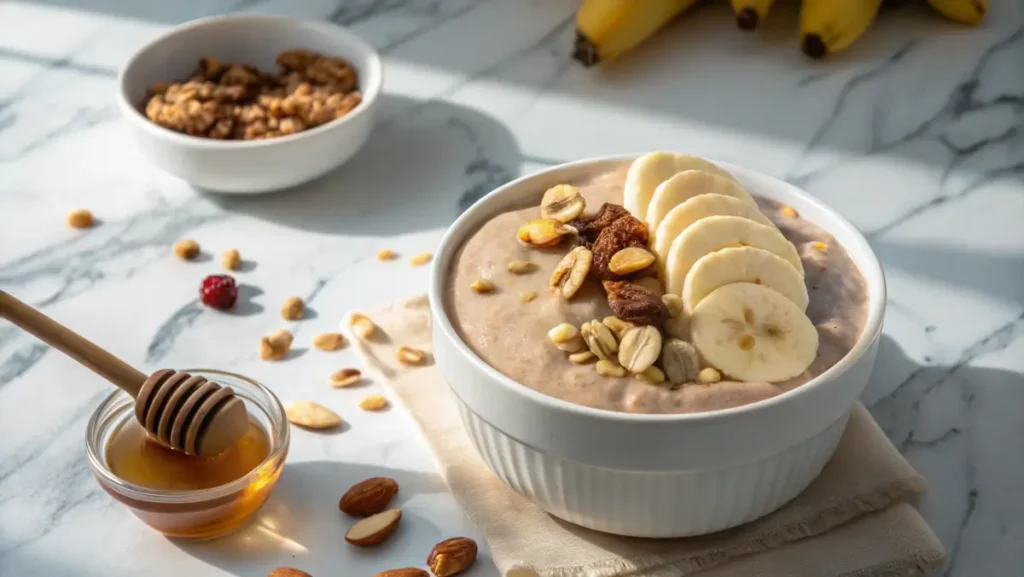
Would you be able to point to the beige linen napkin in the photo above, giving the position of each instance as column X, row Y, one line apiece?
column 854, row 520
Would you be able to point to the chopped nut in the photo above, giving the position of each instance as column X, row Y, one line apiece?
column 186, row 249
column 311, row 415
column 275, row 346
column 590, row 228
column 527, row 296
column 230, row 260
column 677, row 328
column 421, row 259
column 543, row 232
column 80, row 218
column 610, row 368
column 346, row 378
column 410, row 356
column 630, row 260
column 373, row 403
column 640, row 347
column 581, row 357
column 329, row 341
column 293, row 309
column 563, row 203
column 386, row 254
column 789, row 212
column 679, row 361
column 521, row 267
column 617, row 326
column 566, row 338
column 820, row 246
column 652, row 375
column 673, row 303
column 482, row 286
column 599, row 339
column 362, row 326
column 652, row 284
column 708, row 375
column 570, row 273
column 635, row 304
column 623, row 233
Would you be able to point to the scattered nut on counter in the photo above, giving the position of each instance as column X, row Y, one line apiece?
column 231, row 259
column 374, row 403
column 452, row 556
column 374, row 529
column 80, row 218
column 403, row 572
column 311, row 415
column 421, row 259
column 293, row 309
column 410, row 356
column 368, row 497
column 238, row 102
column 386, row 254
column 186, row 249
column 329, row 341
column 274, row 347
column 346, row 378
column 362, row 326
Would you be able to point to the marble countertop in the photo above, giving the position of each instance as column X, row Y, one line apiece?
column 916, row 135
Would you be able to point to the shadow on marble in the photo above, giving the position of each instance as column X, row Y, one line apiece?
column 420, row 171
column 300, row 525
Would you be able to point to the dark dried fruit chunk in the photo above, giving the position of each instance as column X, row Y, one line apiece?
column 589, row 228
column 625, row 232
column 636, row 304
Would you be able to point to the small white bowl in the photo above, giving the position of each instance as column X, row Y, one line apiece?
column 255, row 166
column 653, row 475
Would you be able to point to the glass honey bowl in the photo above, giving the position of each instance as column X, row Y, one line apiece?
column 183, row 496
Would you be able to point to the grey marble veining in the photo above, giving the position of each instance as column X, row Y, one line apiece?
column 916, row 135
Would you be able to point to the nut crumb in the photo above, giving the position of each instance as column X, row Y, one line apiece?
column 362, row 326
column 789, row 212
column 274, row 347
column 521, row 267
column 421, row 259
column 708, row 375
column 610, row 368
column 820, row 246
column 482, row 286
column 373, row 403
column 231, row 259
column 386, row 254
column 345, row 378
column 329, row 341
column 186, row 249
column 582, row 357
column 410, row 356
column 293, row 309
column 80, row 218
column 653, row 375
column 527, row 296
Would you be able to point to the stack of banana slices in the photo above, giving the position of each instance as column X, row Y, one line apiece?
column 741, row 281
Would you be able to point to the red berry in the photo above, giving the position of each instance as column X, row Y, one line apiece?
column 218, row 291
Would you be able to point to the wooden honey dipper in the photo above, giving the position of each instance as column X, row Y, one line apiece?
column 184, row 412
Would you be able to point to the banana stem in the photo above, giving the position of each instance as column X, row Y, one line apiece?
column 584, row 51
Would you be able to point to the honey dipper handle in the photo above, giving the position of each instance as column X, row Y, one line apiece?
column 72, row 344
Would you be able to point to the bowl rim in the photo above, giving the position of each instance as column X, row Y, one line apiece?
column 369, row 94
column 476, row 214
column 279, row 445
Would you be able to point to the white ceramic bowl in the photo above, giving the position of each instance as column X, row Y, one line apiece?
column 258, row 165
column 653, row 475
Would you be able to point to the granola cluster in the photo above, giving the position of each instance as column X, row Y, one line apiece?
column 239, row 102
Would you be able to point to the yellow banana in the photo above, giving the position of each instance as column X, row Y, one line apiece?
column 970, row 12
column 606, row 29
column 831, row 26
column 750, row 13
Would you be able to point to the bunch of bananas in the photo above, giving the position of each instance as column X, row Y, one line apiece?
column 607, row 28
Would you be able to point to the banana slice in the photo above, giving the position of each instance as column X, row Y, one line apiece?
column 715, row 233
column 742, row 264
column 701, row 206
column 753, row 333
column 650, row 170
column 686, row 185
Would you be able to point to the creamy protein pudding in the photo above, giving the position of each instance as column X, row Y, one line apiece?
column 673, row 291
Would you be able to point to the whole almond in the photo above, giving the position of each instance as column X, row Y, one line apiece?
column 345, row 378
column 403, row 572
column 288, row 572
column 368, row 497
column 452, row 556
column 374, row 529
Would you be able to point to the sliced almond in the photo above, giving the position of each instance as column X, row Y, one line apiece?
column 410, row 356
column 374, row 529
column 543, row 232
column 630, row 260
column 311, row 415
column 346, row 378
column 362, row 326
column 562, row 203
column 374, row 403
column 571, row 272
column 329, row 341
